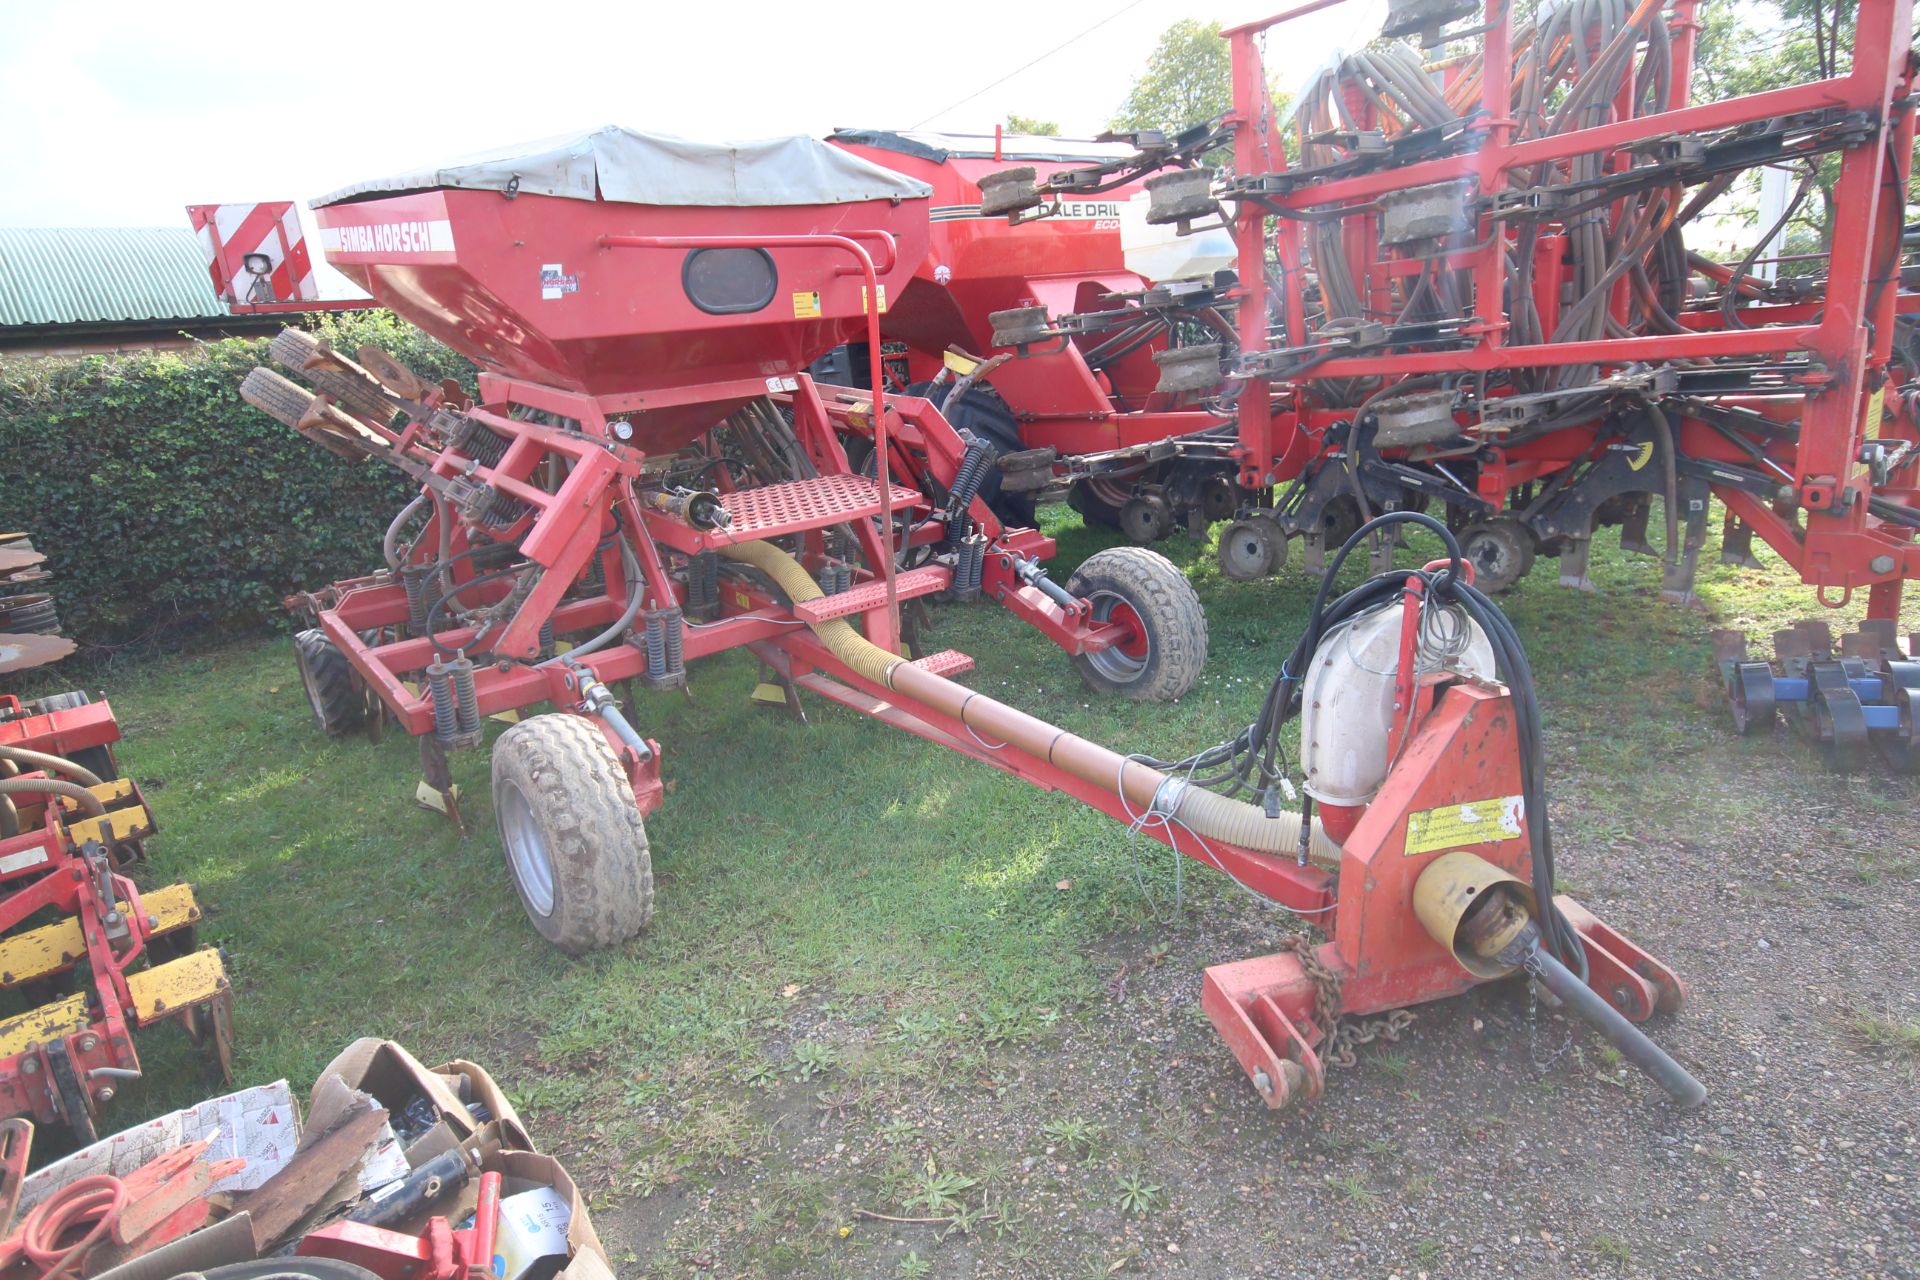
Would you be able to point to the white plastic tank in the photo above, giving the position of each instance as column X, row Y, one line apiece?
column 1162, row 253
column 1346, row 715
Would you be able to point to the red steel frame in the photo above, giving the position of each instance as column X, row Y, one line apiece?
column 41, row 869
column 1843, row 546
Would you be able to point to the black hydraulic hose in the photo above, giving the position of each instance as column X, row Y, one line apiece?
column 433, row 611
column 1670, row 466
column 1623, row 1035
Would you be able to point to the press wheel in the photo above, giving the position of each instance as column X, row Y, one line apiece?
column 1750, row 697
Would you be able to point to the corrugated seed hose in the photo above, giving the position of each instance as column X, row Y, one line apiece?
column 54, row 787
column 51, row 764
column 1207, row 813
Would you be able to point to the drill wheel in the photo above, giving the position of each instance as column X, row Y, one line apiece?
column 1247, row 549
column 1750, row 697
column 1900, row 747
column 1840, row 725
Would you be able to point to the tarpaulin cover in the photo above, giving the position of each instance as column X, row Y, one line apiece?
column 659, row 169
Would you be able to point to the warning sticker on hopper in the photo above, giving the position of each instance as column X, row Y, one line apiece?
column 1476, row 822
column 806, row 304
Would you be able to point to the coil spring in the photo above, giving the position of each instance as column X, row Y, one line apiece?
column 465, row 696
column 836, row 576
column 446, row 719
column 703, row 582
column 676, row 654
column 656, row 637
column 483, row 445
column 970, row 566
column 414, row 578
column 546, row 638
column 966, row 487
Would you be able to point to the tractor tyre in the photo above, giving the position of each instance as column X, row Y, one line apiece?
column 291, row 351
column 1143, row 590
column 1094, row 511
column 338, row 705
column 575, row 843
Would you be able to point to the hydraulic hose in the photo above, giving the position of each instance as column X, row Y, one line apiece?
column 1205, row 813
column 54, row 787
column 52, row 764
column 390, row 544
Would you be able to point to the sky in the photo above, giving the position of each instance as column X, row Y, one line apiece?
column 121, row 114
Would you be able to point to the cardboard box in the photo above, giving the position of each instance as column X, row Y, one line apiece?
column 395, row 1078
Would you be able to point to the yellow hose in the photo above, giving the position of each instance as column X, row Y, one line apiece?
column 1207, row 813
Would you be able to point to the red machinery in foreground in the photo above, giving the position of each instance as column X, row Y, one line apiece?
column 107, row 959
column 1491, row 294
column 647, row 478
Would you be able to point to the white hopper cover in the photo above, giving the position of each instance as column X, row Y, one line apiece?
column 658, row 168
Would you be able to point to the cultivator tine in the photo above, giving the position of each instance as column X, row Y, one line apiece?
column 1885, row 636
column 1791, row 652
column 1729, row 650
column 1819, row 638
column 1736, row 543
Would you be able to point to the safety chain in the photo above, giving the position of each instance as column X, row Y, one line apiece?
column 1338, row 1038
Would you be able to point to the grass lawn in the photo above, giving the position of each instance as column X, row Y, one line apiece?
column 841, row 909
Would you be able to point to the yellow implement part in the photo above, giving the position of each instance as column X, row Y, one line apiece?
column 120, row 791
column 118, row 824
column 38, row 953
column 165, row 990
column 48, row 1022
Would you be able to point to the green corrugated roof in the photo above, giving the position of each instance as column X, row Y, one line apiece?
column 102, row 275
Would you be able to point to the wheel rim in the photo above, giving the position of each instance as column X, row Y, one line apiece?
column 1121, row 663
column 526, row 849
column 1245, row 552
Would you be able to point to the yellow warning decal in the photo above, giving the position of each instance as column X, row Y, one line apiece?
column 863, row 299
column 1876, row 409
column 1452, row 826
column 959, row 364
column 806, row 304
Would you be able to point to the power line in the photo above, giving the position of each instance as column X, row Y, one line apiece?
column 1133, row 4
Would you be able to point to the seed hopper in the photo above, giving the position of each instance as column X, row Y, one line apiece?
column 648, row 477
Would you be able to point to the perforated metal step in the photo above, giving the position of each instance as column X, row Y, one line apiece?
column 923, row 581
column 778, row 509
column 948, row 662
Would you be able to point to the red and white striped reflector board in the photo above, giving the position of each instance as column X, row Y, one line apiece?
column 229, row 233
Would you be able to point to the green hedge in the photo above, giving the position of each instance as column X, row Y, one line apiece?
column 166, row 503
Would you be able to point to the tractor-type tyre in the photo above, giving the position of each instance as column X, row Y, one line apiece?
column 575, row 843
column 1143, row 590
column 291, row 351
column 338, row 705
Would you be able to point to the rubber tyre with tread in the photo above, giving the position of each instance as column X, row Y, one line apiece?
column 338, row 705
column 1169, row 612
column 556, row 774
column 294, row 347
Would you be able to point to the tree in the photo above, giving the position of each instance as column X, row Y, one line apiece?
column 1017, row 123
column 1188, row 80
